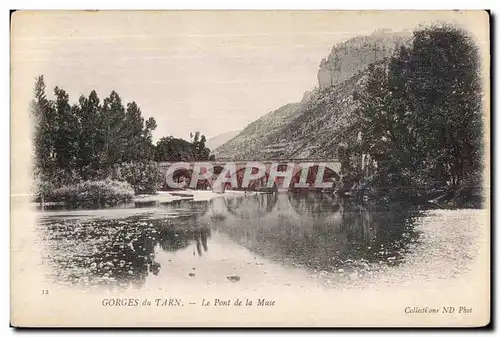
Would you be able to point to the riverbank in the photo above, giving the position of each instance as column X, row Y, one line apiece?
column 197, row 195
column 161, row 197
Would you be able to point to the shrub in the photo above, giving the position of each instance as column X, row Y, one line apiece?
column 93, row 193
column 144, row 177
column 45, row 184
column 42, row 189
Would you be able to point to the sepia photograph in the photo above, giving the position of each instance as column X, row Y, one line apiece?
column 250, row 168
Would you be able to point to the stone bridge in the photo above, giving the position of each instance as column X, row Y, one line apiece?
column 268, row 175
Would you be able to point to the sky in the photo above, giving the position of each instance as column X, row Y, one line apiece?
column 205, row 71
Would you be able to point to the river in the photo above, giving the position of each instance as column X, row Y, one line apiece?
column 293, row 241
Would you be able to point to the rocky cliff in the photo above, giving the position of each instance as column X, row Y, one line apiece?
column 311, row 129
column 325, row 118
column 354, row 55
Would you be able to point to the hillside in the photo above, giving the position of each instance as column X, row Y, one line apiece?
column 215, row 142
column 253, row 141
column 310, row 129
column 314, row 127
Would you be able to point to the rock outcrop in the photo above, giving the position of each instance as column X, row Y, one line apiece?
column 325, row 117
column 354, row 55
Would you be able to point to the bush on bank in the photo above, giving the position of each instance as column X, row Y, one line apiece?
column 113, row 182
column 91, row 194
column 144, row 177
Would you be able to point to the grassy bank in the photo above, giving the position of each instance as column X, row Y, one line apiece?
column 99, row 193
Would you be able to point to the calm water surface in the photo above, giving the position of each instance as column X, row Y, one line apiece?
column 313, row 233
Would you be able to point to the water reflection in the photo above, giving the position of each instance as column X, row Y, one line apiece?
column 128, row 260
column 313, row 231
column 255, row 206
column 124, row 254
column 321, row 232
column 174, row 237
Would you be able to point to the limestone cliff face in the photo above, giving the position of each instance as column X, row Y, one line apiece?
column 354, row 55
column 311, row 129
column 325, row 117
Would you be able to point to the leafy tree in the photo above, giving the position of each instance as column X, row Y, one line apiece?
column 174, row 149
column 420, row 111
column 44, row 115
column 91, row 138
column 143, row 176
column 66, row 132
column 201, row 152
column 177, row 149
column 148, row 147
column 443, row 88
column 132, row 133
column 113, row 117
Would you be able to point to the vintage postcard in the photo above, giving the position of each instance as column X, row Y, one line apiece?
column 250, row 169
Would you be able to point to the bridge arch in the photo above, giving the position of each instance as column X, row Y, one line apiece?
column 254, row 185
column 329, row 175
column 185, row 175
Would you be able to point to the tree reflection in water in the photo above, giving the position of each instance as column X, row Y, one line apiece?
column 175, row 237
column 310, row 230
column 118, row 253
column 252, row 206
column 319, row 231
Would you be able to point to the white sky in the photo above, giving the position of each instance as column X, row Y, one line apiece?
column 193, row 70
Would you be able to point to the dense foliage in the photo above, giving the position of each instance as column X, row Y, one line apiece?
column 91, row 194
column 144, row 177
column 94, row 141
column 420, row 116
column 176, row 149
column 88, row 138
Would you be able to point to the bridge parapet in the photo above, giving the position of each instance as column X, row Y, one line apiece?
column 281, row 175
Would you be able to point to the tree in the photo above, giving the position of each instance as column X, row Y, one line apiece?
column 149, row 148
column 174, row 149
column 444, row 89
column 113, row 116
column 89, row 140
column 420, row 111
column 43, row 114
column 66, row 132
column 177, row 149
column 132, row 133
column 200, row 151
column 92, row 137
